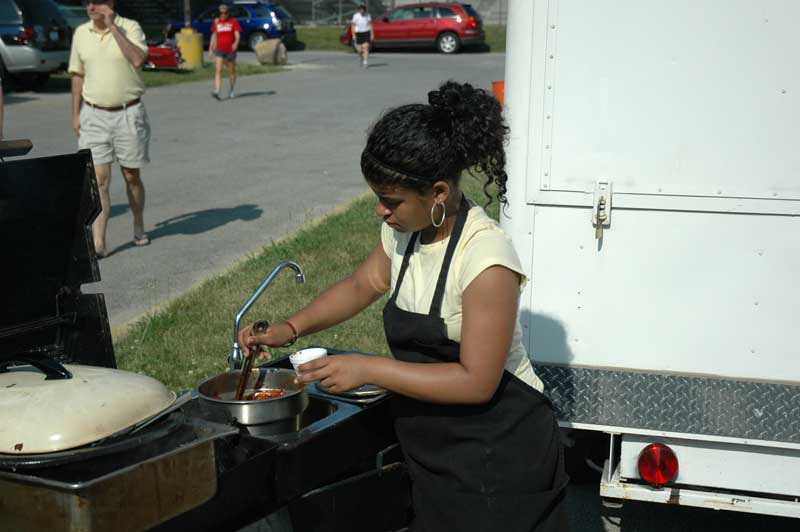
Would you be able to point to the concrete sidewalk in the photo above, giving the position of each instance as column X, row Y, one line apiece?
column 228, row 177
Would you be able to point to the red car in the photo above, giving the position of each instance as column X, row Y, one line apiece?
column 446, row 25
column 164, row 56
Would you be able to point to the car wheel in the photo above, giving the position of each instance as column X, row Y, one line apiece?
column 448, row 43
column 255, row 38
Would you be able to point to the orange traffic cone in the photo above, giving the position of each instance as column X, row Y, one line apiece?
column 499, row 90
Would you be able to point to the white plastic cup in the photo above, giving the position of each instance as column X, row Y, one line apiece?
column 306, row 355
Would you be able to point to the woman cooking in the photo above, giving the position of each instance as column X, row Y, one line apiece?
column 480, row 440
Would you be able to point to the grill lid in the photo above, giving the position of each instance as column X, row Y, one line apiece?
column 41, row 416
column 47, row 206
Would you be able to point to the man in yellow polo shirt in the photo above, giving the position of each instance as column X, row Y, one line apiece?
column 107, row 113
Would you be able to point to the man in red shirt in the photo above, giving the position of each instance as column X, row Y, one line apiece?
column 225, row 34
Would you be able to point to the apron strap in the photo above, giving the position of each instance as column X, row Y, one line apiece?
column 406, row 256
column 438, row 295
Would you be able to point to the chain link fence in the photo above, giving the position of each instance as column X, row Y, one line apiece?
column 325, row 12
column 154, row 14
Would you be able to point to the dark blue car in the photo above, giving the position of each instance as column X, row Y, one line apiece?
column 259, row 21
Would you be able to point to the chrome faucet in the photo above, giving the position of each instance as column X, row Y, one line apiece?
column 236, row 357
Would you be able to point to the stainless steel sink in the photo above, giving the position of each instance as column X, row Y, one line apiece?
column 321, row 414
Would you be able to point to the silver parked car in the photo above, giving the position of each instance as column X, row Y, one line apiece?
column 34, row 41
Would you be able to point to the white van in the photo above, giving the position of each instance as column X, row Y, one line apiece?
column 654, row 194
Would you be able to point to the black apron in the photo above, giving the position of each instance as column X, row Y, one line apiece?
column 492, row 467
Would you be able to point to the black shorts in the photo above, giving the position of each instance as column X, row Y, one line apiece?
column 362, row 37
column 227, row 56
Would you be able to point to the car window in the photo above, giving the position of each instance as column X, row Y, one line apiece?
column 9, row 13
column 423, row 12
column 260, row 11
column 471, row 11
column 239, row 12
column 208, row 15
column 445, row 12
column 402, row 14
column 40, row 12
column 281, row 12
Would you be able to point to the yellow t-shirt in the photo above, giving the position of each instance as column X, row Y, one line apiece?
column 482, row 244
column 109, row 79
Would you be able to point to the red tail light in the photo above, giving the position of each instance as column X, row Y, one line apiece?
column 658, row 464
column 472, row 23
column 26, row 36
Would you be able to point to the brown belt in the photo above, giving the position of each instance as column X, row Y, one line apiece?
column 115, row 107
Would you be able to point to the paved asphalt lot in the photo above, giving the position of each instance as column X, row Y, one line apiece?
column 228, row 177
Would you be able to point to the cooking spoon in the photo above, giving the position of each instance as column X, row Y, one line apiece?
column 259, row 327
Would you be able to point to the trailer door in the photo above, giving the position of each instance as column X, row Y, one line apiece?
column 688, row 128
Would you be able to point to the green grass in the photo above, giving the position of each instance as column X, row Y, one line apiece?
column 321, row 37
column 189, row 339
column 158, row 78
column 327, row 38
column 495, row 37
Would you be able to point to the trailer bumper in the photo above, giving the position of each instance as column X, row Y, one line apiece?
column 613, row 487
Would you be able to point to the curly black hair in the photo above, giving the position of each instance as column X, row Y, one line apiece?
column 461, row 128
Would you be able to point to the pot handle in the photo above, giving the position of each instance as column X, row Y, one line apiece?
column 49, row 366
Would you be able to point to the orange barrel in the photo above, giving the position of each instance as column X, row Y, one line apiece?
column 499, row 90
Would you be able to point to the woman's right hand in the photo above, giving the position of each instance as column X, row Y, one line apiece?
column 276, row 335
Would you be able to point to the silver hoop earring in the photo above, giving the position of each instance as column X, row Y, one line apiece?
column 444, row 213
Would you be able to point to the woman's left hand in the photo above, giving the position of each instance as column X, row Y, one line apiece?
column 337, row 373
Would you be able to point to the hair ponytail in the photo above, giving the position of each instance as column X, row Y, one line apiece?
column 414, row 146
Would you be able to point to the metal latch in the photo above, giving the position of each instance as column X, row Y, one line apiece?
column 380, row 457
column 601, row 207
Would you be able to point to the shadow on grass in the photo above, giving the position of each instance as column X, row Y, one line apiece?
column 191, row 223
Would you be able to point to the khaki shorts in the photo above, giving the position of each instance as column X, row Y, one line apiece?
column 116, row 135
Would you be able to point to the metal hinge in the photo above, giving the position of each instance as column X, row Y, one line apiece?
column 601, row 207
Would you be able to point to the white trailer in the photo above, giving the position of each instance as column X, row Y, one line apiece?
column 654, row 195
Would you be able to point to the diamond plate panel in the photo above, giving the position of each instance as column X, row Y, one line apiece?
column 675, row 403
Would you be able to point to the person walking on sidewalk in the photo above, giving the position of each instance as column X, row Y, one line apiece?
column 362, row 33
column 225, row 35
column 108, row 115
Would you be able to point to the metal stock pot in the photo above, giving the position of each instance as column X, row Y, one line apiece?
column 218, row 393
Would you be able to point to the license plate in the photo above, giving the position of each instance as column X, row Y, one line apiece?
column 53, row 35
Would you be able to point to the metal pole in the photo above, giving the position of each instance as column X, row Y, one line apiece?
column 313, row 12
column 187, row 13
column 340, row 13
